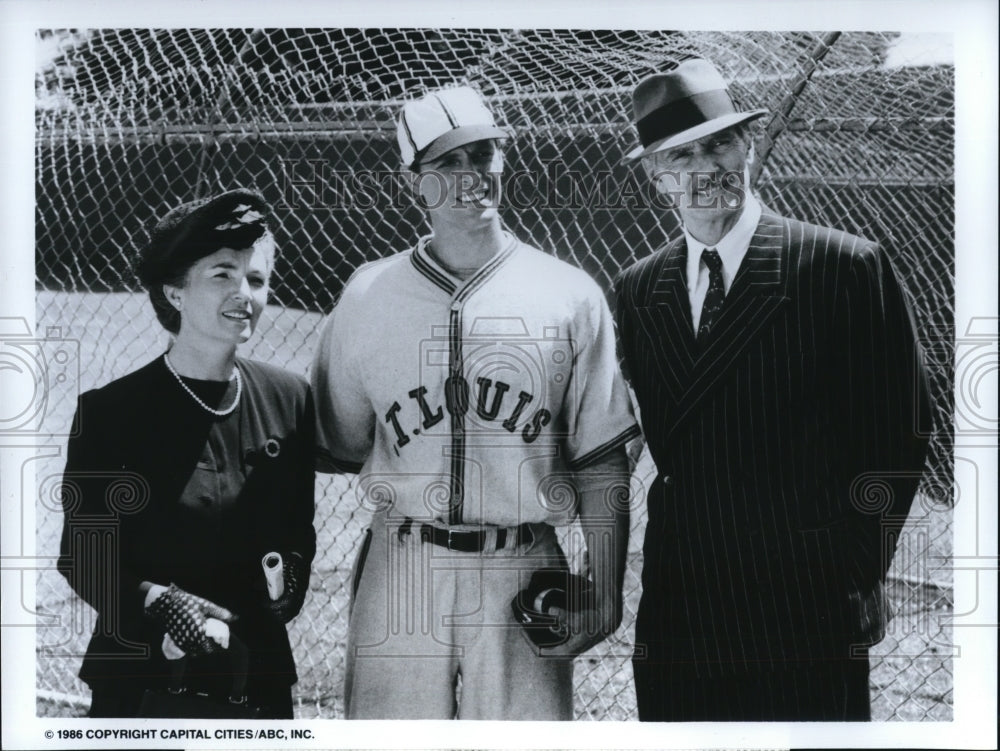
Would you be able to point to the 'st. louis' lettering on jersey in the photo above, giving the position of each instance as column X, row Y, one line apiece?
column 486, row 388
column 486, row 407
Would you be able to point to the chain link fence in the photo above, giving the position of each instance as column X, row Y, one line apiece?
column 130, row 122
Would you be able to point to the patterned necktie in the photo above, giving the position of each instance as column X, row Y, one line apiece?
column 716, row 292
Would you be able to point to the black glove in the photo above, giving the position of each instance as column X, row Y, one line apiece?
column 183, row 616
column 296, row 581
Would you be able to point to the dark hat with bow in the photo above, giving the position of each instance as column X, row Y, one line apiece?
column 189, row 232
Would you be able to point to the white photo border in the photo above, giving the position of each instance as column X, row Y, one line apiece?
column 974, row 25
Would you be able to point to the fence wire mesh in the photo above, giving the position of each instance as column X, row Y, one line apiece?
column 132, row 121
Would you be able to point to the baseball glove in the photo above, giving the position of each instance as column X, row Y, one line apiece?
column 550, row 588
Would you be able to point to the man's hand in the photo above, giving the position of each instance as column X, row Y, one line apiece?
column 586, row 628
column 296, row 581
column 604, row 520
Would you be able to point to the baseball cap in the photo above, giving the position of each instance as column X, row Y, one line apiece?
column 441, row 121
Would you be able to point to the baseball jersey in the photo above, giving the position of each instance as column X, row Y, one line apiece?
column 470, row 402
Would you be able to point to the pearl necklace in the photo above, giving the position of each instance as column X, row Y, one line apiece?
column 217, row 412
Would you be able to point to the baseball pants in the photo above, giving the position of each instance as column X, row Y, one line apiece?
column 432, row 635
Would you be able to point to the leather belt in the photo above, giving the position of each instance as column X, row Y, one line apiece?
column 468, row 540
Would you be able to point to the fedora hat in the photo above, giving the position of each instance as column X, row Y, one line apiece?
column 687, row 103
column 441, row 121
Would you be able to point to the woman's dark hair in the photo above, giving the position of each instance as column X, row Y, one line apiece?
column 236, row 219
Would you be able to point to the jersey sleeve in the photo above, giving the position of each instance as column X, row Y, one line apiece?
column 599, row 411
column 345, row 422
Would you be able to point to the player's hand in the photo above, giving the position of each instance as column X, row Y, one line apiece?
column 587, row 628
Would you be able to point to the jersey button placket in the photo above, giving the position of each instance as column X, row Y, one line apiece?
column 457, row 399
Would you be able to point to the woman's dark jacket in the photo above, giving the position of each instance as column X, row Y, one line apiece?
column 158, row 489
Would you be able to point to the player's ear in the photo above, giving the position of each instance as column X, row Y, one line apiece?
column 411, row 184
column 409, row 178
column 500, row 145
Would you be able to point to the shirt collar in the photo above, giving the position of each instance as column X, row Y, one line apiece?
column 731, row 247
column 430, row 267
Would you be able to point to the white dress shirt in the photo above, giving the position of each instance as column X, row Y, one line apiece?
column 731, row 248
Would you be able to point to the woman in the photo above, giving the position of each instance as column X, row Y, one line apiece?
column 184, row 474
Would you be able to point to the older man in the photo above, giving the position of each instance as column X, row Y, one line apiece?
column 779, row 384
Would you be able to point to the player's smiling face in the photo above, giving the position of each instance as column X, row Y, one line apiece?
column 224, row 294
column 465, row 179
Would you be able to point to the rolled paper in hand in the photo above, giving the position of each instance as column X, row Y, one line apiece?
column 274, row 573
column 170, row 649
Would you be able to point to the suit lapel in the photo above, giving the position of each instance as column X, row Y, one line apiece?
column 757, row 294
column 669, row 311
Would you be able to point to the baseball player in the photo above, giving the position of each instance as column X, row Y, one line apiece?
column 472, row 382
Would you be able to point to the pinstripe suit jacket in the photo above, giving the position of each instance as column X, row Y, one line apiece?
column 787, row 448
